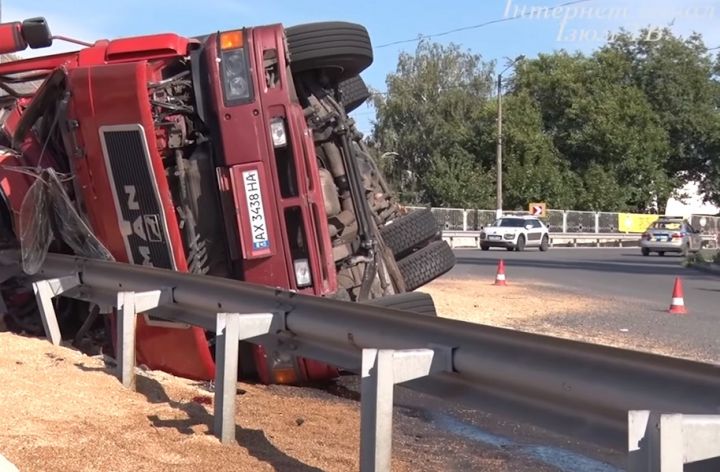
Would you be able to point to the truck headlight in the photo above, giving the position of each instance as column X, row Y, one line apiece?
column 302, row 273
column 277, row 130
column 234, row 67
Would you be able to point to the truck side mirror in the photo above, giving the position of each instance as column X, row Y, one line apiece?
column 36, row 33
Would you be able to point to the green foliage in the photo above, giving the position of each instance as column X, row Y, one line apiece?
column 604, row 127
column 704, row 257
column 427, row 118
column 615, row 130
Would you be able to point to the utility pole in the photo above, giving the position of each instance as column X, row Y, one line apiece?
column 499, row 198
column 498, row 164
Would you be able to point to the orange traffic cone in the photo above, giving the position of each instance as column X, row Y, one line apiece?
column 677, row 306
column 500, row 277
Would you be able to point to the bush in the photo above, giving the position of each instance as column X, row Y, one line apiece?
column 703, row 257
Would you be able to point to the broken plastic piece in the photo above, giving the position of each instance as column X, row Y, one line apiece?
column 47, row 213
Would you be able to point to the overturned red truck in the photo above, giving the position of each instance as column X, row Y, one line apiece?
column 230, row 154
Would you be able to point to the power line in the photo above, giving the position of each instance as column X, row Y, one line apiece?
column 481, row 25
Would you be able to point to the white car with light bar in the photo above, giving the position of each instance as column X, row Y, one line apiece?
column 670, row 235
column 515, row 233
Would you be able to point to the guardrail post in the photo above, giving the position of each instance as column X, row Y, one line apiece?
column 381, row 370
column 597, row 223
column 230, row 329
column 465, row 220
column 564, row 224
column 127, row 321
column 666, row 442
column 129, row 304
column 45, row 291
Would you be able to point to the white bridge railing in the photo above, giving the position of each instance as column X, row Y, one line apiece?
column 569, row 228
column 565, row 221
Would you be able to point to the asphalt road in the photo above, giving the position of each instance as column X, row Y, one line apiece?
column 612, row 272
column 638, row 289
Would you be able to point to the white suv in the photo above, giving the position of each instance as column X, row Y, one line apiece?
column 515, row 233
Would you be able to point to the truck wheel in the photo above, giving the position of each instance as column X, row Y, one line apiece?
column 334, row 45
column 409, row 231
column 645, row 251
column 416, row 302
column 427, row 264
column 353, row 93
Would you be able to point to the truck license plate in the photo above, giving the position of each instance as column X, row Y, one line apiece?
column 253, row 197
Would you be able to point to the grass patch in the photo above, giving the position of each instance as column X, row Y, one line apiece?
column 704, row 257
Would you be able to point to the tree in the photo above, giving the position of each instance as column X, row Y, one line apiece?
column 602, row 126
column 533, row 170
column 427, row 118
column 680, row 82
column 616, row 130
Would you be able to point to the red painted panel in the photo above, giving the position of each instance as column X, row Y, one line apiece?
column 11, row 39
column 144, row 47
column 98, row 101
column 245, row 139
column 276, row 102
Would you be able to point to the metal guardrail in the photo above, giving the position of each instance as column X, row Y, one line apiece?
column 612, row 397
column 458, row 239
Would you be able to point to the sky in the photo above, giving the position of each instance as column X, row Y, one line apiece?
column 529, row 27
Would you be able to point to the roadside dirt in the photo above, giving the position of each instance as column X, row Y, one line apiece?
column 510, row 306
column 62, row 410
column 551, row 310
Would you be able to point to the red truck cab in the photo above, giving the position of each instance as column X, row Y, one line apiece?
column 204, row 155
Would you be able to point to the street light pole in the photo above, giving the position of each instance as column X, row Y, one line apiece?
column 499, row 149
column 499, row 198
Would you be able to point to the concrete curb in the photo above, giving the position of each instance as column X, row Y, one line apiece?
column 6, row 465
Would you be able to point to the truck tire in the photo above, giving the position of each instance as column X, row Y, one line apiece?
column 353, row 92
column 416, row 302
column 409, row 231
column 427, row 264
column 334, row 45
